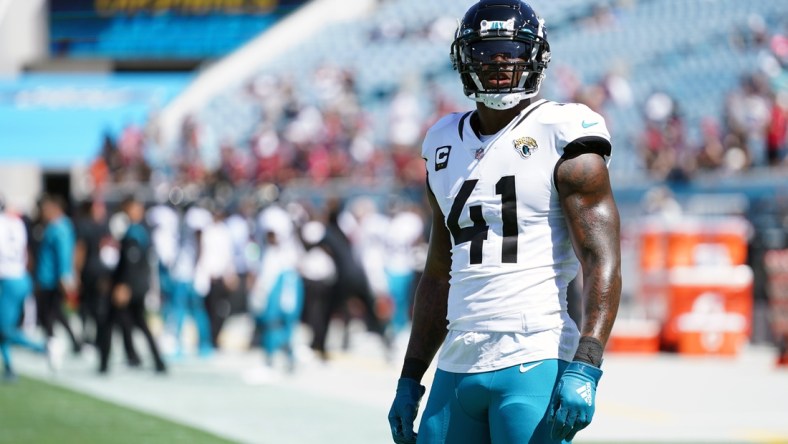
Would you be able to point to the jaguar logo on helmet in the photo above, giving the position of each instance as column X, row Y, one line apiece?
column 525, row 146
column 486, row 26
column 501, row 52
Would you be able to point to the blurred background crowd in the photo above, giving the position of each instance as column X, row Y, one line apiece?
column 282, row 180
column 680, row 100
column 207, row 259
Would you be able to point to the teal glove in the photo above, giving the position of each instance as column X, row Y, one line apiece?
column 574, row 400
column 404, row 410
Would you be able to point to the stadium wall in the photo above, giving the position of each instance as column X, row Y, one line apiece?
column 20, row 185
column 23, row 34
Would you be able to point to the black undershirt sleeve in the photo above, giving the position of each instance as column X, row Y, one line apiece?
column 587, row 144
column 583, row 145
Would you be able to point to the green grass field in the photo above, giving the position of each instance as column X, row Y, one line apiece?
column 32, row 411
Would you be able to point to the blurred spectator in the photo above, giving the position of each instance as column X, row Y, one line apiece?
column 368, row 235
column 351, row 282
column 711, row 154
column 96, row 255
column 405, row 119
column 15, row 287
column 131, row 155
column 277, row 297
column 663, row 143
column 218, row 266
column 233, row 166
column 189, row 287
column 131, row 281
column 404, row 233
column 737, row 158
column 55, row 276
column 747, row 110
column 318, row 273
column 777, row 132
column 618, row 88
column 246, row 253
column 163, row 221
column 189, row 157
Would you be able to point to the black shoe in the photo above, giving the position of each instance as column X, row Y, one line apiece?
column 160, row 368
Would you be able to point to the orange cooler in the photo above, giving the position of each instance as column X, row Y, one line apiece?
column 711, row 334
column 710, row 293
column 653, row 247
column 634, row 336
column 733, row 235
column 725, row 238
column 682, row 239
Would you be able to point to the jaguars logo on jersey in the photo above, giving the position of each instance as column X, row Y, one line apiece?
column 525, row 146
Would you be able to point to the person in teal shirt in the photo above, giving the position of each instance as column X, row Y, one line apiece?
column 55, row 278
column 15, row 286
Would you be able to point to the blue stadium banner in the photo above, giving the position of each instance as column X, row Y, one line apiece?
column 59, row 120
column 185, row 7
column 159, row 29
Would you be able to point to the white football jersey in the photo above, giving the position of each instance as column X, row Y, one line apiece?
column 13, row 247
column 512, row 258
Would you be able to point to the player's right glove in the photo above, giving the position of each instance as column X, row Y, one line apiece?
column 404, row 410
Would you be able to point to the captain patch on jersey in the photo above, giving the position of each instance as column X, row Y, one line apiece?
column 442, row 157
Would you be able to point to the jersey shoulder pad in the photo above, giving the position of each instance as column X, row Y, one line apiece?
column 572, row 122
column 440, row 133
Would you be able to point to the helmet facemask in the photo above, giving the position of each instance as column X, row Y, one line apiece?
column 500, row 67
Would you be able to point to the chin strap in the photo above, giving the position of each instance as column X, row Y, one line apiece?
column 500, row 101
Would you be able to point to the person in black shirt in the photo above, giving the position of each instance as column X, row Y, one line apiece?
column 351, row 281
column 96, row 255
column 130, row 283
column 92, row 234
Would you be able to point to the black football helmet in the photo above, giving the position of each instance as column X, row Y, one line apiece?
column 501, row 52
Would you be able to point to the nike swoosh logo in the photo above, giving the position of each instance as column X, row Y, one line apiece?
column 524, row 368
column 588, row 125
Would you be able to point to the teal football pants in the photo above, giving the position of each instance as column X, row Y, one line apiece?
column 12, row 298
column 186, row 300
column 507, row 406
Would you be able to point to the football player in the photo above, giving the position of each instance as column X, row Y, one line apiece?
column 55, row 278
column 277, row 297
column 130, row 283
column 189, row 287
column 15, row 287
column 521, row 197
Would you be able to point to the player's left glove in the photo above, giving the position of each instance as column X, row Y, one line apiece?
column 404, row 410
column 574, row 400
